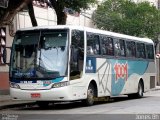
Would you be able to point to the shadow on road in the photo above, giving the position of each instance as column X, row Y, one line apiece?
column 76, row 104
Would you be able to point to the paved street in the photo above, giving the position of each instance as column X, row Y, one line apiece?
column 149, row 107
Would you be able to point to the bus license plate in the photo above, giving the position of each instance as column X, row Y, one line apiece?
column 35, row 95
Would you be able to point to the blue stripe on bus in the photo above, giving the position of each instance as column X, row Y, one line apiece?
column 127, row 68
column 45, row 82
column 90, row 65
column 57, row 80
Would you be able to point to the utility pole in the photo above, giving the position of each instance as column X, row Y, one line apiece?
column 158, row 61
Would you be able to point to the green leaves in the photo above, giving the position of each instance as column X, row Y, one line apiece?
column 127, row 17
column 76, row 5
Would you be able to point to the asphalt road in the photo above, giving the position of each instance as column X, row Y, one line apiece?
column 119, row 108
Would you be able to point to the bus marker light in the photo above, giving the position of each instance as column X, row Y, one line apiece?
column 158, row 56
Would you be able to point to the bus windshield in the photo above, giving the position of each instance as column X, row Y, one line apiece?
column 40, row 54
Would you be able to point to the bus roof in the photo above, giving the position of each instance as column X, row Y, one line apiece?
column 93, row 30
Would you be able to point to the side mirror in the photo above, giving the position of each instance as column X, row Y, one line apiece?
column 4, row 55
column 158, row 56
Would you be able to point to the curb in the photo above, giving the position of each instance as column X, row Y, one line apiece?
column 155, row 89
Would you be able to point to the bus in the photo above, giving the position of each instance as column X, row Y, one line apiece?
column 74, row 63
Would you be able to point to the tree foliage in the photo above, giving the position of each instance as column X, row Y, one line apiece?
column 127, row 17
column 77, row 5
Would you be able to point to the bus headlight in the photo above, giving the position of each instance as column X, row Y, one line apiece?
column 60, row 84
column 14, row 85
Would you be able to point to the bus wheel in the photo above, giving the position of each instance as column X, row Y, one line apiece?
column 139, row 94
column 42, row 104
column 90, row 95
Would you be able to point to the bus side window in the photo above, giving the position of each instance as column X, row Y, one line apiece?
column 130, row 49
column 77, row 54
column 119, row 47
column 141, row 50
column 107, row 45
column 150, row 51
column 93, row 44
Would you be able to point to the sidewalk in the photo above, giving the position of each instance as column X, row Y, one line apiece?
column 156, row 88
column 7, row 102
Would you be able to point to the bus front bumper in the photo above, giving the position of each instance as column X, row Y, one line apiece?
column 55, row 94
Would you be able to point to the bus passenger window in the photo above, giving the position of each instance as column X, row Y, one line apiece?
column 107, row 45
column 141, row 50
column 119, row 47
column 93, row 44
column 150, row 51
column 130, row 49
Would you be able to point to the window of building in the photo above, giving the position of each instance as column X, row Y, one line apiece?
column 141, row 50
column 4, row 3
column 119, row 47
column 150, row 51
column 107, row 45
column 2, row 44
column 40, row 3
column 93, row 44
column 130, row 49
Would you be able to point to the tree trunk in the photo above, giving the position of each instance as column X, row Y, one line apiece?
column 61, row 18
column 61, row 15
column 32, row 14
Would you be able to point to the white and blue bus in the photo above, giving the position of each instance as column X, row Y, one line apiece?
column 70, row 63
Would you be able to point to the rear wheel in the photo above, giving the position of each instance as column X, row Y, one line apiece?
column 139, row 94
column 90, row 95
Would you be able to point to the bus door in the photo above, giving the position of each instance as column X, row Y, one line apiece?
column 77, row 54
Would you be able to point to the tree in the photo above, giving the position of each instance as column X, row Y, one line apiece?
column 14, row 6
column 77, row 5
column 6, row 15
column 127, row 17
column 32, row 14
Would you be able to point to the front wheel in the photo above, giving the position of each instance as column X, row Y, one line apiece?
column 90, row 96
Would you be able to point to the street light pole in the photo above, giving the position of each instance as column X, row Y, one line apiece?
column 158, row 61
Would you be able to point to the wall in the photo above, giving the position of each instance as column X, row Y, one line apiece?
column 4, row 77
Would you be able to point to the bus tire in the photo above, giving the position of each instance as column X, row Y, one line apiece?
column 90, row 96
column 139, row 94
column 42, row 104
